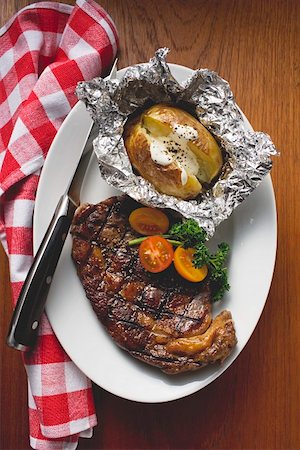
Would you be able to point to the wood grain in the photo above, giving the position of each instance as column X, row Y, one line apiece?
column 254, row 44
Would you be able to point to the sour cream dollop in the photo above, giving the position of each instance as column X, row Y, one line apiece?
column 174, row 148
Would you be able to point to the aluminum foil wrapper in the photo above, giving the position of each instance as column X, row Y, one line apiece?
column 248, row 152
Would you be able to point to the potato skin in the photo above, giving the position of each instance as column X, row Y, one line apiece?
column 159, row 120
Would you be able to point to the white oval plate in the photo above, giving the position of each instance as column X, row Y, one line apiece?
column 250, row 231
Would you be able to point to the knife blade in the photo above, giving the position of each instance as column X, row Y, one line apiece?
column 26, row 317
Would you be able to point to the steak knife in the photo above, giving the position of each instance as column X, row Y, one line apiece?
column 31, row 302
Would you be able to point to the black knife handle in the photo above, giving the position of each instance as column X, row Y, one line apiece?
column 31, row 302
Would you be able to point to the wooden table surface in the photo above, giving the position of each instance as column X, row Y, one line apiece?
column 255, row 404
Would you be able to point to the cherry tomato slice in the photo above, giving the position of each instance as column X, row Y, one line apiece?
column 156, row 254
column 183, row 262
column 149, row 221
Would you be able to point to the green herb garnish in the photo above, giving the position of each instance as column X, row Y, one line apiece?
column 192, row 235
column 189, row 234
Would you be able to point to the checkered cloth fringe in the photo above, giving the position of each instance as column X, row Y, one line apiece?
column 44, row 51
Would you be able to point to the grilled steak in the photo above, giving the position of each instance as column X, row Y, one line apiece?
column 160, row 319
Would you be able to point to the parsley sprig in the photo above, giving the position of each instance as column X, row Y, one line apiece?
column 189, row 234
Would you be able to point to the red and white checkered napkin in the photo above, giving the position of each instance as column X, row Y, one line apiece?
column 44, row 51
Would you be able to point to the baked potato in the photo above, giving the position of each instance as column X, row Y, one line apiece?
column 172, row 150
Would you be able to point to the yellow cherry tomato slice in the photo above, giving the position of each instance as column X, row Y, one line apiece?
column 156, row 254
column 183, row 262
column 149, row 221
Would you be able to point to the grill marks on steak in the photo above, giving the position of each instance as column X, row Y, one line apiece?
column 160, row 319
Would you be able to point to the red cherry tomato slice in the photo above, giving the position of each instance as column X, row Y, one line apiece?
column 149, row 221
column 156, row 254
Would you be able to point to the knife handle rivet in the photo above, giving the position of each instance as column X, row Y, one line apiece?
column 48, row 279
column 34, row 325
